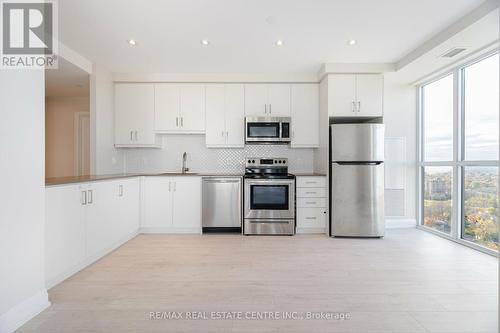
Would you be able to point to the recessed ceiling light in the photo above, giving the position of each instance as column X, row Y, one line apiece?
column 352, row 42
column 132, row 42
column 204, row 42
column 279, row 42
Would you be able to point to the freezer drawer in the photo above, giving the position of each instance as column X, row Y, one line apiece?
column 222, row 201
column 357, row 142
column 357, row 192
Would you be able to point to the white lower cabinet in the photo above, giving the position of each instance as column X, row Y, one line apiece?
column 311, row 204
column 172, row 204
column 64, row 231
column 86, row 221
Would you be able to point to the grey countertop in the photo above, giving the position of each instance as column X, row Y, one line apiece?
column 90, row 178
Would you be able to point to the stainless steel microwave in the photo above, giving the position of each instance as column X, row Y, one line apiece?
column 270, row 130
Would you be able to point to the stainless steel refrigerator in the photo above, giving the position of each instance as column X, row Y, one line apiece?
column 357, row 180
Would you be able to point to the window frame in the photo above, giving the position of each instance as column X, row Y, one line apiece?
column 458, row 163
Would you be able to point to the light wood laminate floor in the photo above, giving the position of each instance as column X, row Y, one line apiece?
column 410, row 281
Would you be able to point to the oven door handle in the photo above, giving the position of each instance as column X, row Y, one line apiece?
column 270, row 182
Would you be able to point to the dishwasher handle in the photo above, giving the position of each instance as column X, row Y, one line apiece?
column 222, row 180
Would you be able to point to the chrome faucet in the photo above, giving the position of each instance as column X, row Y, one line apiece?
column 184, row 161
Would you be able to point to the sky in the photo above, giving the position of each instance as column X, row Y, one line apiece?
column 481, row 105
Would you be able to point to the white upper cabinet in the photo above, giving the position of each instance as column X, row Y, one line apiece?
column 355, row 95
column 267, row 100
column 341, row 95
column 179, row 108
column 225, row 115
column 370, row 95
column 256, row 100
column 134, row 114
column 305, row 115
column 167, row 101
column 279, row 100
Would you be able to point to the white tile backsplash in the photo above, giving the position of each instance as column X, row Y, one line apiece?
column 203, row 159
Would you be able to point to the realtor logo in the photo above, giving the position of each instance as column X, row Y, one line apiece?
column 28, row 34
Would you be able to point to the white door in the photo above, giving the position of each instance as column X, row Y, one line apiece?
column 256, row 100
column 215, row 123
column 192, row 108
column 157, row 202
column 64, row 230
column 128, row 206
column 187, row 203
column 82, row 143
column 167, row 107
column 370, row 95
column 100, row 217
column 127, row 101
column 279, row 100
column 235, row 115
column 305, row 115
column 342, row 95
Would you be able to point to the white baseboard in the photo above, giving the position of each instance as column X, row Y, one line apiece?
column 397, row 223
column 168, row 230
column 49, row 283
column 21, row 313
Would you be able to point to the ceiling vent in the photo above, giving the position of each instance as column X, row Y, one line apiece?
column 453, row 52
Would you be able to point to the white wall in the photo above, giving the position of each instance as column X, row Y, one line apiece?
column 105, row 158
column 400, row 120
column 203, row 159
column 22, row 197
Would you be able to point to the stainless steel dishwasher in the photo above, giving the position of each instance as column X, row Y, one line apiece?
column 222, row 202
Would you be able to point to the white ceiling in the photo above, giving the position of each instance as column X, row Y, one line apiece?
column 242, row 33
column 66, row 80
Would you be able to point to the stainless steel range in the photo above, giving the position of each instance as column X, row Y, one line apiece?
column 269, row 197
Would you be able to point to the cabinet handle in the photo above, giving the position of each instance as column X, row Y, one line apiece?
column 359, row 106
column 265, row 108
column 91, row 197
column 169, row 186
column 310, row 182
column 310, row 192
column 120, row 191
column 353, row 107
column 311, row 218
column 310, row 202
column 227, row 134
column 136, row 136
column 222, row 134
column 182, row 121
column 175, row 186
column 270, row 110
column 131, row 138
column 83, row 198
column 176, row 121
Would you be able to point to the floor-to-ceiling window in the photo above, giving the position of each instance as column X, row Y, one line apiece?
column 459, row 137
